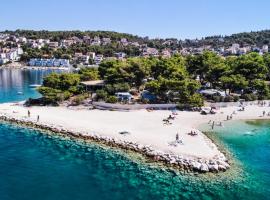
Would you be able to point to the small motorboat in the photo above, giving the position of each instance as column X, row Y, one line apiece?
column 34, row 85
column 20, row 93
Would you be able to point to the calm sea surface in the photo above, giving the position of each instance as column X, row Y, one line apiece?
column 35, row 165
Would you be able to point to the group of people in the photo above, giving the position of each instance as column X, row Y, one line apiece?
column 193, row 133
column 213, row 123
column 263, row 103
column 264, row 113
column 167, row 120
column 29, row 115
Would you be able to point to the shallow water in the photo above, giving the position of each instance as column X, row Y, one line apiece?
column 35, row 165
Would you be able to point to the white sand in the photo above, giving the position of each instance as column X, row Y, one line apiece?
column 146, row 128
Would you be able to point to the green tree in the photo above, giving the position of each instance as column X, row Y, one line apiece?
column 251, row 66
column 206, row 65
column 233, row 82
column 89, row 74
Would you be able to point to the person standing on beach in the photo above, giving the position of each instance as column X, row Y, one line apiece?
column 38, row 118
column 177, row 137
column 213, row 124
column 264, row 113
column 28, row 113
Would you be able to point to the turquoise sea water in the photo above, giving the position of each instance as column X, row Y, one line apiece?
column 14, row 83
column 35, row 165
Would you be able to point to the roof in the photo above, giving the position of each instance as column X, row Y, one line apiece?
column 212, row 92
column 93, row 83
column 123, row 93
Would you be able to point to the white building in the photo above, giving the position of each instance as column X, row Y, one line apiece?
column 53, row 44
column 265, row 48
column 124, row 41
column 87, row 39
column 150, row 52
column 106, row 41
column 120, row 55
column 49, row 62
column 98, row 59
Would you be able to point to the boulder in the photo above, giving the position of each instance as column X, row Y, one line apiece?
column 196, row 165
column 204, row 168
column 213, row 168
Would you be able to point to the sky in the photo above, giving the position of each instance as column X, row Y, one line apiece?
column 182, row 19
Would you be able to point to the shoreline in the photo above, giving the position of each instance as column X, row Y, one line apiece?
column 24, row 66
column 148, row 135
column 197, row 154
column 178, row 162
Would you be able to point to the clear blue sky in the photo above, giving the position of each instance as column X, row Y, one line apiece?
column 154, row 18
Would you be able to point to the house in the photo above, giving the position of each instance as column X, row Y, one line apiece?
column 93, row 85
column 87, row 39
column 150, row 52
column 98, row 59
column 91, row 55
column 76, row 40
column 265, row 48
column 49, row 62
column 136, row 44
column 106, row 41
column 96, row 41
column 166, row 53
column 84, row 59
column 14, row 54
column 124, row 41
column 53, row 44
column 67, row 43
column 22, row 39
column 3, row 61
column 120, row 55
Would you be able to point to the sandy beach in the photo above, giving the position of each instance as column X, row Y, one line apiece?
column 145, row 128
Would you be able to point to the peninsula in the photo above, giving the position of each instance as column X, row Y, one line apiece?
column 141, row 130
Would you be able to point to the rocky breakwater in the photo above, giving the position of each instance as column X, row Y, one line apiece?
column 216, row 164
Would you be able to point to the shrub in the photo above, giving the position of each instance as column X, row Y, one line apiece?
column 217, row 98
column 52, row 96
column 195, row 100
column 249, row 97
column 78, row 99
column 236, row 98
column 228, row 99
column 101, row 95
column 111, row 99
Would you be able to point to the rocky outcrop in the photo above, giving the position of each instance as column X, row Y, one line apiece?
column 217, row 164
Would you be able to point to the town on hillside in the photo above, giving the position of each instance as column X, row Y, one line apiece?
column 90, row 48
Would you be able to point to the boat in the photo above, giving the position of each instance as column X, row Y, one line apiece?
column 34, row 85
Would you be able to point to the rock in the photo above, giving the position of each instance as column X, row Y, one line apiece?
column 221, row 167
column 204, row 168
column 172, row 161
column 213, row 168
column 196, row 165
